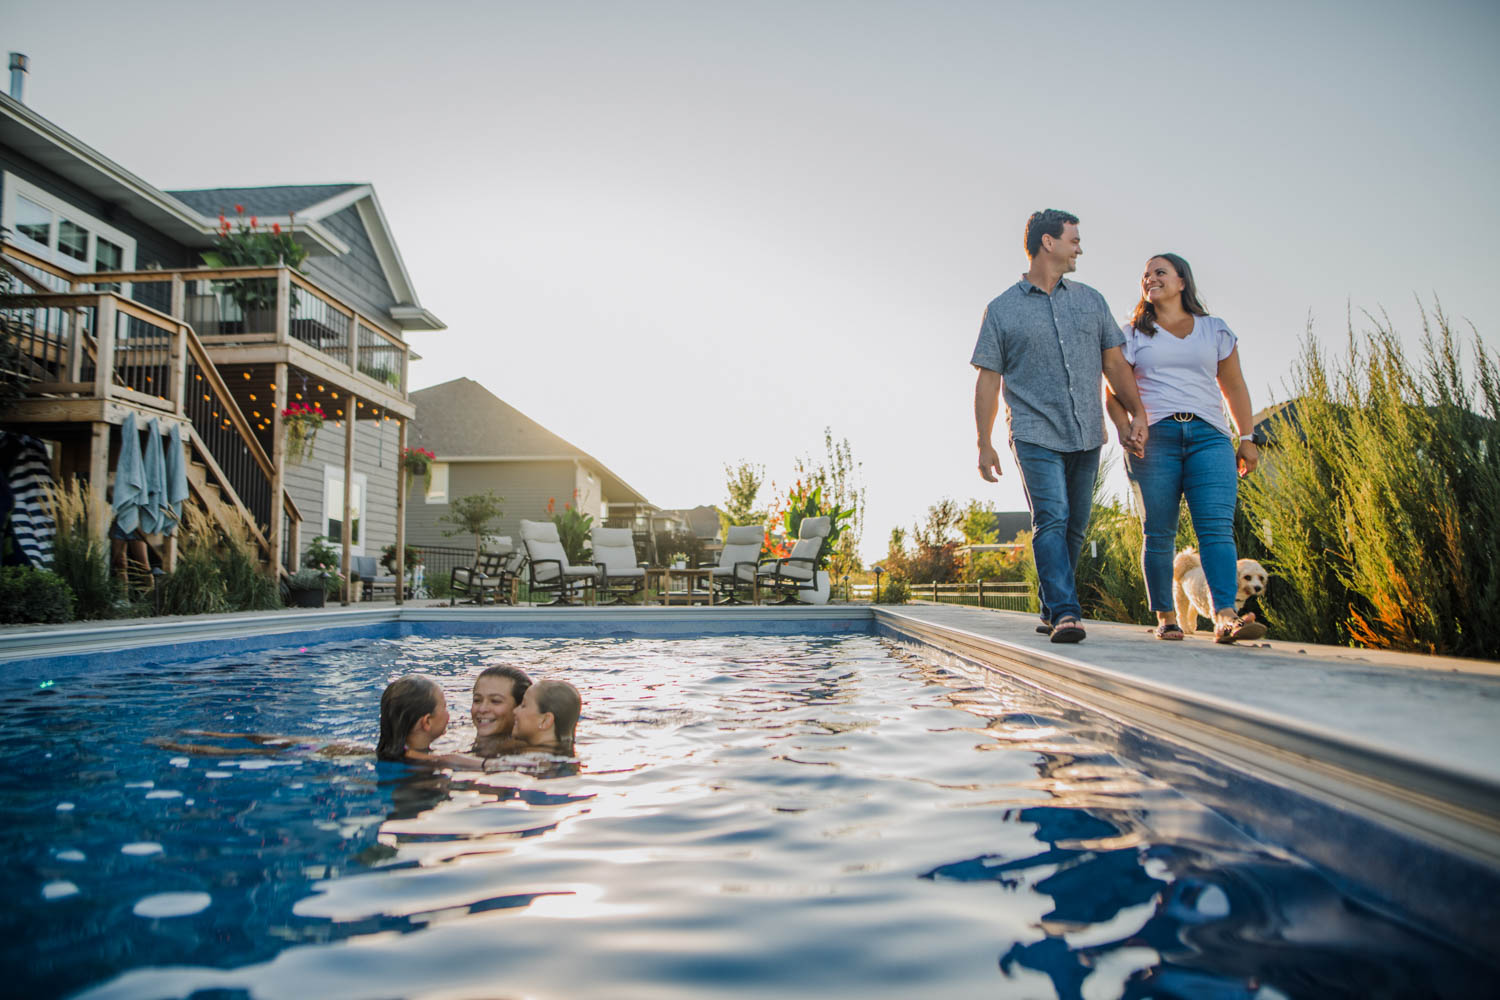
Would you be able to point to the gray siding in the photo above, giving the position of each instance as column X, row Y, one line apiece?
column 376, row 455
column 526, row 487
column 152, row 247
column 356, row 276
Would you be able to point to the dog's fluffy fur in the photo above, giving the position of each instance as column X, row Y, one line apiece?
column 1190, row 596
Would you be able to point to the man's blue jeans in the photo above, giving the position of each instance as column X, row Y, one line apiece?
column 1060, row 491
column 1191, row 459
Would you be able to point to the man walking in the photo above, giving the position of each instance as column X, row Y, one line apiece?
column 1045, row 341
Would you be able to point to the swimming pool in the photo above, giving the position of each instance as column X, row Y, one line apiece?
column 750, row 816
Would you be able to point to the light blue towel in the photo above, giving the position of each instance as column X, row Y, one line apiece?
column 130, row 478
column 177, row 483
column 154, row 517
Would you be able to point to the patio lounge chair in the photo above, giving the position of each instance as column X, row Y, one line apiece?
column 492, row 576
column 620, row 576
column 735, row 570
column 796, row 573
column 548, row 568
column 368, row 572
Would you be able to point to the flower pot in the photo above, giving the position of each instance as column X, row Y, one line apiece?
column 819, row 594
column 307, row 597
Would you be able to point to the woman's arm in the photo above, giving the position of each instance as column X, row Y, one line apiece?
column 1237, row 398
column 462, row 760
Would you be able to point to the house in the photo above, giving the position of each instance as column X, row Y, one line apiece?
column 483, row 443
column 122, row 317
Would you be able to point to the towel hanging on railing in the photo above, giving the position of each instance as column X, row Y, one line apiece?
column 28, row 526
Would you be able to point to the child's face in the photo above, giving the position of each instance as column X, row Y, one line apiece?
column 494, row 706
column 528, row 718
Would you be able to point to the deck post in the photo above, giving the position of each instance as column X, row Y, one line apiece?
column 400, row 514
column 278, row 472
column 104, row 337
column 348, row 527
column 99, row 481
column 283, row 305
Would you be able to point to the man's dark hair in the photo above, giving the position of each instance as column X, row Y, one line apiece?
column 1047, row 222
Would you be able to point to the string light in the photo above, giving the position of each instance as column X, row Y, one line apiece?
column 273, row 386
column 246, row 375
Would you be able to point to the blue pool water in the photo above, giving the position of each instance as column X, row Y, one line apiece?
column 747, row 817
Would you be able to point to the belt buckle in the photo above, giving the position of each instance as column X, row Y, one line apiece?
column 1184, row 418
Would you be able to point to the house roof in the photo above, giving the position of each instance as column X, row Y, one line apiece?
column 1010, row 523
column 179, row 215
column 462, row 421
column 311, row 204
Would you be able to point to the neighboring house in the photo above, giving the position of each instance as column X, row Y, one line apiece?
column 483, row 443
column 702, row 521
column 125, row 319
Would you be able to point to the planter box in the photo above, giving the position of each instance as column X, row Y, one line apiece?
column 312, row 597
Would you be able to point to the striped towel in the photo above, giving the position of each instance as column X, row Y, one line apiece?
column 28, row 527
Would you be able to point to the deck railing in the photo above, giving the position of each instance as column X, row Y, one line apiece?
column 1003, row 596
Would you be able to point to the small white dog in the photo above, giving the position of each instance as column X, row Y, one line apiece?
column 1190, row 597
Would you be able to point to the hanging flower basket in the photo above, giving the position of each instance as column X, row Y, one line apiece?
column 302, row 423
column 416, row 462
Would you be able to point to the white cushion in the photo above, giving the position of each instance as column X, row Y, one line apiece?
column 542, row 544
column 814, row 527
column 743, row 534
column 497, row 543
column 795, row 571
column 615, row 548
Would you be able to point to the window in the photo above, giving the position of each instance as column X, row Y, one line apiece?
column 437, row 483
column 33, row 221
column 61, row 233
column 333, row 508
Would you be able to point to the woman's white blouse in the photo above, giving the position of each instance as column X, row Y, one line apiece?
column 1181, row 374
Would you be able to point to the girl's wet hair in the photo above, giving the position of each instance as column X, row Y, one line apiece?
column 562, row 700
column 1144, row 317
column 402, row 706
column 519, row 680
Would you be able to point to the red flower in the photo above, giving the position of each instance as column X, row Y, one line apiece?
column 253, row 222
column 240, row 209
column 223, row 222
column 551, row 502
column 276, row 227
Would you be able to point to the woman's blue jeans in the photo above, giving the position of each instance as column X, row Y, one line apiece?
column 1190, row 459
column 1060, row 491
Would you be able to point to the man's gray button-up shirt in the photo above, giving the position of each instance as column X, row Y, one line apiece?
column 1048, row 349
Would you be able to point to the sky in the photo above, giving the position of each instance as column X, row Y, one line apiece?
column 687, row 235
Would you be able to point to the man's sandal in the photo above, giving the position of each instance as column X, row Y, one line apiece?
column 1240, row 628
column 1068, row 630
column 1044, row 629
column 1169, row 630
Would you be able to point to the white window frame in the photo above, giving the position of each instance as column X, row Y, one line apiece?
column 437, row 483
column 333, row 479
column 61, row 210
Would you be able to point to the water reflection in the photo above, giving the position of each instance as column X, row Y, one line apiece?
column 1191, row 907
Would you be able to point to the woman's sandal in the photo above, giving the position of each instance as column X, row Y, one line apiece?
column 1068, row 630
column 1169, row 630
column 1240, row 628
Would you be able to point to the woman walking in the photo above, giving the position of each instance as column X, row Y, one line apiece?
column 1186, row 362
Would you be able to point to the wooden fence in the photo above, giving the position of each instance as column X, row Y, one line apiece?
column 1007, row 596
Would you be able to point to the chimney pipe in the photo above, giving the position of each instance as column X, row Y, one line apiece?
column 18, row 62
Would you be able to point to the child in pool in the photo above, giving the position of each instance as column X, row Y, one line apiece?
column 414, row 713
column 497, row 692
column 546, row 721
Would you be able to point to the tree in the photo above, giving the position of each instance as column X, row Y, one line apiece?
column 742, row 483
column 838, row 478
column 472, row 515
column 934, row 557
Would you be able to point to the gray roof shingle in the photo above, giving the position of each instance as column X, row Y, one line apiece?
column 268, row 201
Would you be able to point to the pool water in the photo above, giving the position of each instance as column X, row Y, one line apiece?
column 746, row 817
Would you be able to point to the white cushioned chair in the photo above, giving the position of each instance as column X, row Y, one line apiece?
column 735, row 570
column 548, row 566
column 797, row 572
column 620, row 575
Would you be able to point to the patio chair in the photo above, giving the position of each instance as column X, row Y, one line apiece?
column 796, row 573
column 620, row 576
column 735, row 570
column 548, row 569
column 368, row 571
column 489, row 576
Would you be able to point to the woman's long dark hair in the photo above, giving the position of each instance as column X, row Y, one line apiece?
column 1144, row 317
column 402, row 706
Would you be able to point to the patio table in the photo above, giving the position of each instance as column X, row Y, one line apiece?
column 695, row 582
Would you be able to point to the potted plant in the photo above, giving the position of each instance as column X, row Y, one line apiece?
column 245, row 244
column 307, row 588
column 416, row 462
column 302, row 422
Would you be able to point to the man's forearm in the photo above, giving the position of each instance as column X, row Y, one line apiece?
column 986, row 404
